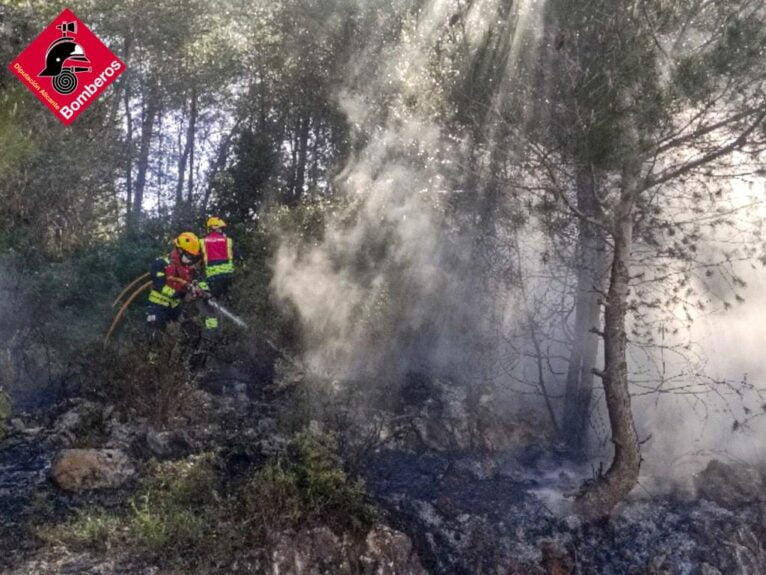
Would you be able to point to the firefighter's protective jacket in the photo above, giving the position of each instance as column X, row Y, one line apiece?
column 170, row 280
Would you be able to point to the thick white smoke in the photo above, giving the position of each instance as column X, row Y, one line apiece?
column 392, row 287
column 719, row 410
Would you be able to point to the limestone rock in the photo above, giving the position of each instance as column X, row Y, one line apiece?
column 319, row 551
column 316, row 551
column 82, row 469
column 389, row 552
column 168, row 444
column 82, row 418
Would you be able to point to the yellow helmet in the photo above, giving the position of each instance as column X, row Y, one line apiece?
column 188, row 242
column 215, row 222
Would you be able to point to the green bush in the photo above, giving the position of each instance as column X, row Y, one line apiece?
column 272, row 498
column 162, row 526
column 308, row 485
column 5, row 412
column 188, row 482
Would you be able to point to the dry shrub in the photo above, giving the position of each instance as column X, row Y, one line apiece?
column 150, row 377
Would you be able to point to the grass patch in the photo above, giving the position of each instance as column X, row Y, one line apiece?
column 308, row 485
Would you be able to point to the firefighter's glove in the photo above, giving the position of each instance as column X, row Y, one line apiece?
column 199, row 290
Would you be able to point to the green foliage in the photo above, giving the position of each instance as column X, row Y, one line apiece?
column 166, row 529
column 160, row 520
column 189, row 482
column 178, row 509
column 244, row 187
column 93, row 528
column 308, row 486
column 736, row 51
column 5, row 411
column 272, row 496
column 304, row 222
column 692, row 78
column 16, row 140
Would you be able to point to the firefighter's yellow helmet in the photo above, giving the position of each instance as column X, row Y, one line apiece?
column 189, row 243
column 215, row 222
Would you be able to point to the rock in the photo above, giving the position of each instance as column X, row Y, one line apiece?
column 17, row 425
column 730, row 484
column 444, row 415
column 707, row 569
column 319, row 551
column 61, row 561
column 83, row 418
column 389, row 552
column 81, row 469
column 316, row 551
column 168, row 444
column 122, row 435
column 74, row 418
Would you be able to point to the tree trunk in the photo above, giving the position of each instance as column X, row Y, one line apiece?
column 182, row 161
column 129, row 166
column 219, row 164
column 289, row 200
column 316, row 146
column 147, row 127
column 597, row 499
column 160, row 162
column 300, row 174
column 582, row 360
column 190, row 143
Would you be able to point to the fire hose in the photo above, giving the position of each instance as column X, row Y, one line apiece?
column 210, row 301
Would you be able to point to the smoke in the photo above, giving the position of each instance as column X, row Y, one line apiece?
column 395, row 285
column 401, row 279
column 719, row 407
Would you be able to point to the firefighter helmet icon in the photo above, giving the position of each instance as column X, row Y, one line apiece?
column 61, row 59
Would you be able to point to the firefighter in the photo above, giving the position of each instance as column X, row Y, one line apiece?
column 218, row 256
column 173, row 277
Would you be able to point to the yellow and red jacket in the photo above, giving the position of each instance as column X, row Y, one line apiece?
column 170, row 280
column 218, row 255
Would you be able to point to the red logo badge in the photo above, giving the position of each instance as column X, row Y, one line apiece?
column 67, row 67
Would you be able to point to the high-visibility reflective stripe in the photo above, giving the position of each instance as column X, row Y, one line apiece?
column 160, row 299
column 211, row 323
column 168, row 291
column 219, row 269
